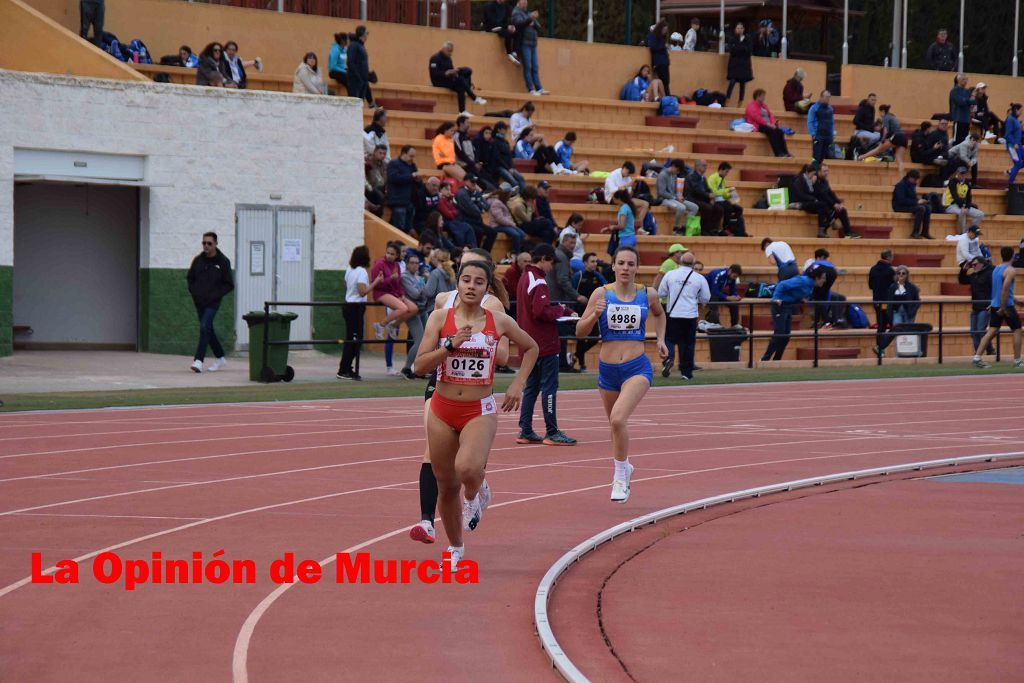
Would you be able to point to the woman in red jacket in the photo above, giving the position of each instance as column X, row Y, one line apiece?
column 760, row 117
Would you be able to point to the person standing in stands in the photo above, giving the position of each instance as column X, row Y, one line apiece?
column 1012, row 135
column 657, row 43
column 978, row 274
column 358, row 65
column 91, row 13
column 881, row 275
column 209, row 281
column 722, row 283
column 536, row 314
column 787, row 294
column 739, row 69
column 527, row 28
column 337, row 60
column 585, row 282
column 401, row 186
column 443, row 74
column 1003, row 308
column 690, row 43
column 821, row 124
column 960, row 102
column 822, row 295
column 498, row 19
column 905, row 200
column 940, row 55
column 781, row 256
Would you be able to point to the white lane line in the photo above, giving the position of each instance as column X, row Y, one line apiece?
column 63, row 514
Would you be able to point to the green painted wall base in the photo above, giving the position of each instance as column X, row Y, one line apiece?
column 167, row 316
column 6, row 310
column 328, row 322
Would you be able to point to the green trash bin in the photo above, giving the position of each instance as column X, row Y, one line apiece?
column 279, row 327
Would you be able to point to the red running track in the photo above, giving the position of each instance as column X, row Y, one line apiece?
column 258, row 480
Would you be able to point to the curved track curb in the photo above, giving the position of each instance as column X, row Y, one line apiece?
column 561, row 662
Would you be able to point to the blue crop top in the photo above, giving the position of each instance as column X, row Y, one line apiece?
column 624, row 320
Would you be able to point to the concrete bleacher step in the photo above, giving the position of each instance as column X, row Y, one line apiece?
column 406, row 104
column 954, row 289
column 671, row 121
column 807, row 352
column 731, row 148
column 570, row 196
column 880, row 232
column 917, row 260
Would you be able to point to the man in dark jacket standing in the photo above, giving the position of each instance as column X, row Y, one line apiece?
column 561, row 289
column 978, row 274
column 880, row 277
column 498, row 19
column 402, row 189
column 940, row 55
column 358, row 65
column 443, row 74
column 960, row 102
column 209, row 281
column 92, row 12
column 537, row 316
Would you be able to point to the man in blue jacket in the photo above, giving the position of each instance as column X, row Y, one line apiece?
column 960, row 102
column 722, row 283
column 788, row 293
column 821, row 124
column 905, row 200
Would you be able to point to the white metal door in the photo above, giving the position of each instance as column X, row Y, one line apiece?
column 295, row 266
column 254, row 264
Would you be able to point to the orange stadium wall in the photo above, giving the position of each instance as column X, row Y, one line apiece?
column 399, row 53
column 24, row 32
column 916, row 93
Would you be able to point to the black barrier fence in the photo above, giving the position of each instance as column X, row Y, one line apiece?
column 724, row 334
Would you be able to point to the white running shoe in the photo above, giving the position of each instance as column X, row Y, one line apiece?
column 393, row 331
column 197, row 366
column 473, row 512
column 423, row 532
column 392, row 372
column 542, row 91
column 620, row 488
column 481, row 101
column 218, row 364
column 456, row 557
column 467, row 114
column 515, row 60
column 1019, row 363
column 535, row 93
column 379, row 330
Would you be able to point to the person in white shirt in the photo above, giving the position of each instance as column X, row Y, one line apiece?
column 521, row 119
column 577, row 252
column 357, row 287
column 675, row 42
column 968, row 247
column 690, row 44
column 622, row 179
column 685, row 290
column 781, row 255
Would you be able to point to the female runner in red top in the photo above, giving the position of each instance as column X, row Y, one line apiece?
column 463, row 345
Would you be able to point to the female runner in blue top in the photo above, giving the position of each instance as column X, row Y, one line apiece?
column 624, row 374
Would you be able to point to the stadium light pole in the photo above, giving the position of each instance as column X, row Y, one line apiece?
column 960, row 57
column 721, row 28
column 894, row 59
column 362, row 10
column 785, row 18
column 903, row 42
column 444, row 14
column 657, row 11
column 280, row 5
column 590, row 21
column 1016, row 33
column 846, row 32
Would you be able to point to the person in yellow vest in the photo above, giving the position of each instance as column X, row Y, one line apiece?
column 728, row 199
column 671, row 262
column 958, row 201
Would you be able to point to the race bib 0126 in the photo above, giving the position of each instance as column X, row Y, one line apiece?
column 468, row 366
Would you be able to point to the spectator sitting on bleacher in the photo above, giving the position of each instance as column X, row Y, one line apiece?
column 527, row 143
column 185, row 58
column 968, row 247
column 575, row 226
column 209, row 71
column 527, row 31
column 978, row 274
column 427, row 199
column 729, row 200
column 472, row 207
column 337, row 60
column 668, row 193
column 760, row 117
column 542, row 203
column 920, row 151
column 515, row 271
column 377, row 175
column 234, row 66
column 401, row 187
column 461, row 233
column 465, row 151
column 837, row 210
column 443, row 149
column 722, row 283
column 864, row 122
column 958, row 200
column 622, row 179
column 802, row 197
column 522, row 208
column 821, row 124
column 374, row 135
column 892, row 139
column 501, row 218
column 697, row 191
column 499, row 163
column 483, row 150
column 357, row 65
column 905, row 200
column 624, row 229
column 787, row 294
column 793, row 98
column 964, row 154
column 781, row 256
column 498, row 19
column 521, row 119
column 443, row 74
column 564, row 150
column 675, row 42
column 642, row 88
column 307, row 79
